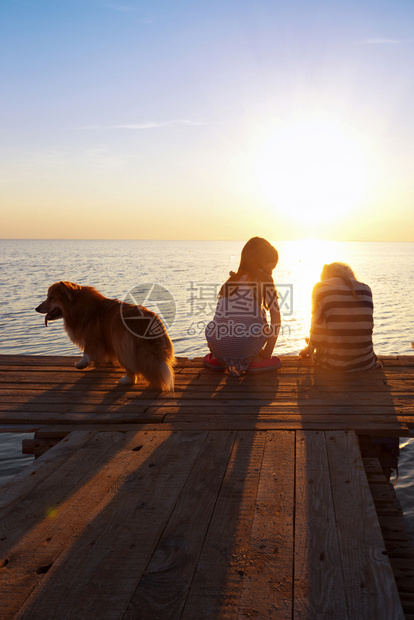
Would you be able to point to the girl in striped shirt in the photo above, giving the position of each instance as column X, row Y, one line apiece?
column 342, row 322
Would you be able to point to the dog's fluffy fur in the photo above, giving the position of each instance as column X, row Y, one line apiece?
column 95, row 324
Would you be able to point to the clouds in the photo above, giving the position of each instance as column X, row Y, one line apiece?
column 380, row 41
column 156, row 125
column 149, row 125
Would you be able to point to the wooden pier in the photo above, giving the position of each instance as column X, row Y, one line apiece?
column 230, row 498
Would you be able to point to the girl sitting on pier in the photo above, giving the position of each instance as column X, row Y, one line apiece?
column 239, row 337
column 341, row 339
column 342, row 322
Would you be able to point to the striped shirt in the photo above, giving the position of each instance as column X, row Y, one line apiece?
column 341, row 330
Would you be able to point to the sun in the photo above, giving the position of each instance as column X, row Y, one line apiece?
column 312, row 171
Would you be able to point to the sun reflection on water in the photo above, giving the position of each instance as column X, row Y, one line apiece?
column 300, row 265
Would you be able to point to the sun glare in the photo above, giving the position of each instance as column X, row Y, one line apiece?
column 301, row 263
column 312, row 171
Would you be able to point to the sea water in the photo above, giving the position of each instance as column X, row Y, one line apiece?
column 190, row 274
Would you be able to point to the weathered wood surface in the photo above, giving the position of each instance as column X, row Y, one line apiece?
column 195, row 524
column 230, row 498
column 398, row 542
column 43, row 391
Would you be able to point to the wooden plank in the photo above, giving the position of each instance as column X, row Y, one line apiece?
column 328, row 382
column 338, row 417
column 215, row 423
column 337, row 405
column 398, row 371
column 372, row 425
column 58, row 429
column 91, row 378
column 343, row 420
column 383, row 385
column 391, row 430
column 290, row 376
column 220, row 420
column 24, row 483
column 396, row 361
column 40, row 364
column 76, row 497
column 52, row 377
column 66, row 404
column 54, row 360
column 91, row 381
column 181, row 361
column 19, row 428
column 69, row 360
column 248, row 383
column 283, row 387
column 163, row 589
column 397, row 428
column 370, row 587
column 27, row 417
column 319, row 591
column 38, row 529
column 218, row 580
column 250, row 408
column 400, row 385
column 281, row 398
column 35, row 505
column 389, row 361
column 70, row 407
column 122, row 533
column 48, row 396
column 268, row 574
column 197, row 362
column 44, row 393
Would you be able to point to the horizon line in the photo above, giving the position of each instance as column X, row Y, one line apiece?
column 197, row 239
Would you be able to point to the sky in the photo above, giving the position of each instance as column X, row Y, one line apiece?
column 124, row 119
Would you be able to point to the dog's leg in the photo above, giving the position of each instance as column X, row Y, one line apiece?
column 128, row 379
column 84, row 362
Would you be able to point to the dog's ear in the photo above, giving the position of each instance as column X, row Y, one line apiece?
column 69, row 290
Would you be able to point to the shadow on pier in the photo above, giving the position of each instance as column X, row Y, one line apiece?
column 232, row 498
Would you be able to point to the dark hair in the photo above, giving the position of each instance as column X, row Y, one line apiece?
column 256, row 253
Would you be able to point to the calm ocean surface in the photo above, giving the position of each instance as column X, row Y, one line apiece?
column 193, row 271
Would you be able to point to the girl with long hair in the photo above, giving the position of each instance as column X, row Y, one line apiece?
column 239, row 336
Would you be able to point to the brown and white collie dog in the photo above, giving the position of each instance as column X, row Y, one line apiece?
column 108, row 330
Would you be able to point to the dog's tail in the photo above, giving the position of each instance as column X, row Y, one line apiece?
column 159, row 372
column 151, row 357
column 167, row 377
